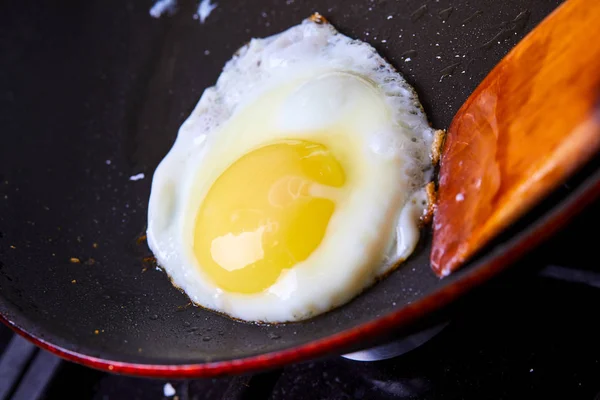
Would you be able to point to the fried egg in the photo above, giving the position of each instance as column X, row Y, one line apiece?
column 297, row 180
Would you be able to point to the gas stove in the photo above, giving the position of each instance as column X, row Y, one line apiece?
column 533, row 332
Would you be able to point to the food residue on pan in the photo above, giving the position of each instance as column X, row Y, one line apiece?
column 137, row 177
column 149, row 262
column 141, row 239
column 310, row 152
column 161, row 7
column 74, row 260
column 169, row 7
column 205, row 8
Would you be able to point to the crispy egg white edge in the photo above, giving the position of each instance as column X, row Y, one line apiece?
column 269, row 61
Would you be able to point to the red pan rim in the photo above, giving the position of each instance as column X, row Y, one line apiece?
column 342, row 341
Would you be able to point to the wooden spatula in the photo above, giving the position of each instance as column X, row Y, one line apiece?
column 529, row 125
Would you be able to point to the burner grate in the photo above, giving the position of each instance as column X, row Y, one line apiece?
column 25, row 371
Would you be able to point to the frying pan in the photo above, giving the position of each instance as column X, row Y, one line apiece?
column 92, row 93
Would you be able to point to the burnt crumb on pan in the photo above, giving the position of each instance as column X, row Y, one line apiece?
column 431, row 201
column 436, row 146
column 74, row 281
column 149, row 262
column 318, row 19
column 186, row 305
column 141, row 239
column 74, row 260
column 95, row 245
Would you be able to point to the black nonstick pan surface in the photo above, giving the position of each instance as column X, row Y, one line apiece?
column 93, row 93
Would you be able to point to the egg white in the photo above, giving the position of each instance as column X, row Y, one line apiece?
column 307, row 83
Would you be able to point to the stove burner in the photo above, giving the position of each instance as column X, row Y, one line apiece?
column 397, row 347
column 25, row 370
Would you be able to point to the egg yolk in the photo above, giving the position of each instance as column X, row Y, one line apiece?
column 268, row 211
